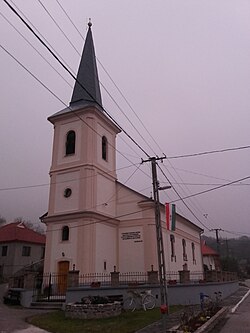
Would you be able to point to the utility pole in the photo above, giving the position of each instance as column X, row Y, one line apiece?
column 217, row 238
column 159, row 239
column 227, row 248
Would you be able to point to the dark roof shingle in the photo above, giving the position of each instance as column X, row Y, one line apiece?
column 19, row 232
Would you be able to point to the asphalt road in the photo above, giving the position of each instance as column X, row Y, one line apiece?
column 238, row 321
column 12, row 318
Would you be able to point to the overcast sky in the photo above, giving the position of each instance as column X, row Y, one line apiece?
column 184, row 67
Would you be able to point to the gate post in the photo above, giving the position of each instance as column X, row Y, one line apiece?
column 114, row 277
column 29, row 279
column 73, row 279
column 153, row 276
column 50, row 286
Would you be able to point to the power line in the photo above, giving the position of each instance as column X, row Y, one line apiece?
column 35, row 49
column 237, row 233
column 103, row 86
column 39, row 33
column 60, row 182
column 72, row 75
column 209, row 152
column 210, row 184
column 48, row 89
column 108, row 76
column 64, row 66
column 212, row 189
column 116, row 86
column 103, row 220
column 52, row 18
column 121, row 128
column 182, row 199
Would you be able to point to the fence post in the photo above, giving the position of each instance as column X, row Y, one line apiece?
column 114, row 277
column 73, row 278
column 153, row 276
column 184, row 276
column 29, row 279
column 50, row 286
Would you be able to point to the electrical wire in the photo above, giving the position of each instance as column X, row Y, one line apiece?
column 107, row 91
column 182, row 199
column 72, row 75
column 116, row 86
column 40, row 54
column 58, row 182
column 142, row 148
column 46, row 40
column 48, row 89
column 213, row 189
column 209, row 184
column 52, row 18
column 103, row 220
column 209, row 152
column 102, row 85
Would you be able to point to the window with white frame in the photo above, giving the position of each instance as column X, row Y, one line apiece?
column 193, row 253
column 104, row 148
column 184, row 250
column 172, row 246
column 70, row 143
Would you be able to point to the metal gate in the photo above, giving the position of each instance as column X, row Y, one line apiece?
column 50, row 287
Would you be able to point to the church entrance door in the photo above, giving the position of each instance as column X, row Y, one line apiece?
column 63, row 269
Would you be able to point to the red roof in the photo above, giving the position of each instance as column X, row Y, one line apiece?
column 19, row 232
column 207, row 251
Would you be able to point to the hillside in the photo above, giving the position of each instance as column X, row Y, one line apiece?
column 234, row 252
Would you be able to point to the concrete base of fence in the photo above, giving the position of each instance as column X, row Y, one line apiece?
column 180, row 294
column 26, row 298
column 92, row 311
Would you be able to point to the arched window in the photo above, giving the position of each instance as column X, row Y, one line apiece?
column 65, row 233
column 70, row 143
column 172, row 241
column 104, row 148
column 193, row 253
column 184, row 249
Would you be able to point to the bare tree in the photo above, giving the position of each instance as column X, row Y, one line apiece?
column 40, row 228
column 2, row 220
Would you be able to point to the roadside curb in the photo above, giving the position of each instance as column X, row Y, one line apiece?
column 210, row 324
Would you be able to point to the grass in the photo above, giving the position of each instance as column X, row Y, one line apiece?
column 127, row 322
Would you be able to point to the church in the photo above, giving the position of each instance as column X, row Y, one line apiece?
column 94, row 222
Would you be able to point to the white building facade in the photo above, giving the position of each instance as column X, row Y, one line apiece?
column 94, row 222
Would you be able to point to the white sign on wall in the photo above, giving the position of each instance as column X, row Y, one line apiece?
column 131, row 249
column 132, row 235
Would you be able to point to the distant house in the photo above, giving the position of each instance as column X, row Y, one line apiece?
column 211, row 258
column 19, row 247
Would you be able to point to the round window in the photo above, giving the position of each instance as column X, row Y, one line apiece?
column 67, row 192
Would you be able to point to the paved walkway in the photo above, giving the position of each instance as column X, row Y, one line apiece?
column 12, row 319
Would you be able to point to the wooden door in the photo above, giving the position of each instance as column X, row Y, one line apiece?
column 63, row 269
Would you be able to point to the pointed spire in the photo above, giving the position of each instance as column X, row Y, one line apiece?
column 87, row 75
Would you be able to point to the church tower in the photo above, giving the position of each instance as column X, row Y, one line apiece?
column 82, row 198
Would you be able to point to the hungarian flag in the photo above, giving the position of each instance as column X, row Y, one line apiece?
column 170, row 216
